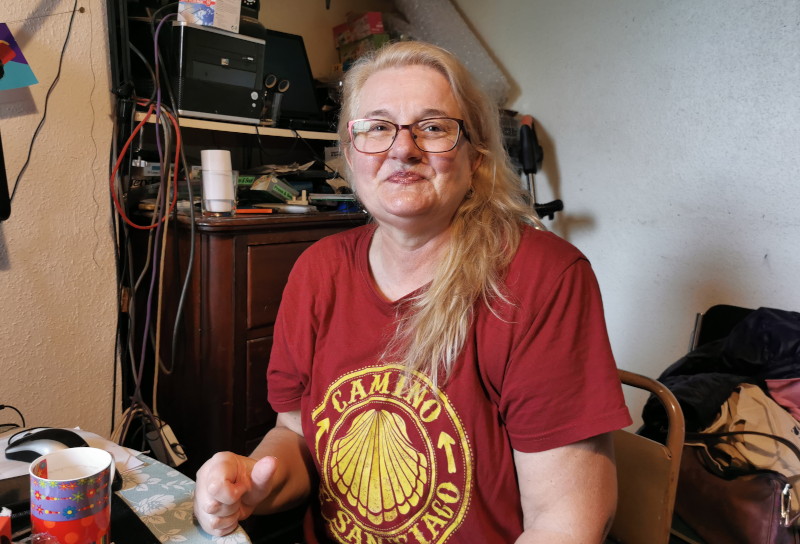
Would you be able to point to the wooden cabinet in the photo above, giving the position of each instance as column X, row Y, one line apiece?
column 213, row 392
column 215, row 398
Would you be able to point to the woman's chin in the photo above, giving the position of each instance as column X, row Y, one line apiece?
column 402, row 206
column 407, row 209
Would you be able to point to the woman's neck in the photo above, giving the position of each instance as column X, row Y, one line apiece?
column 401, row 264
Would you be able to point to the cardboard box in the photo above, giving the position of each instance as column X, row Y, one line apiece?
column 222, row 14
column 358, row 27
column 348, row 53
column 365, row 24
column 341, row 34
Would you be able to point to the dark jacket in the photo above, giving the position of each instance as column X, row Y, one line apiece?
column 764, row 345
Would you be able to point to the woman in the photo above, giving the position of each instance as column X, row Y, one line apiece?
column 444, row 373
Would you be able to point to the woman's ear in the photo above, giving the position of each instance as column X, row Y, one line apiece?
column 347, row 149
column 476, row 161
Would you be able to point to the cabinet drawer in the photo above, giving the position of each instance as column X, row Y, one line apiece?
column 268, row 268
column 258, row 412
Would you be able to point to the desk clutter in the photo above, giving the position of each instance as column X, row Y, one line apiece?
column 151, row 503
column 290, row 188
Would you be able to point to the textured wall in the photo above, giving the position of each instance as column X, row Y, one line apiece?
column 672, row 133
column 57, row 295
column 57, row 272
column 670, row 129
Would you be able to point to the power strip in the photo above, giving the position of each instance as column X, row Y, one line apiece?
column 165, row 445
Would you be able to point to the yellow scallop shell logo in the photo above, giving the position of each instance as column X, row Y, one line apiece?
column 376, row 467
column 394, row 459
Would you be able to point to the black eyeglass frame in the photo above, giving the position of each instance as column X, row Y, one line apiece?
column 462, row 129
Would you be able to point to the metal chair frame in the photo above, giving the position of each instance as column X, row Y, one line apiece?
column 647, row 472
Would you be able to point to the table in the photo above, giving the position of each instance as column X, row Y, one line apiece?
column 162, row 498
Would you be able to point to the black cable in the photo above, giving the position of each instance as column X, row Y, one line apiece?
column 46, row 101
column 135, row 282
column 154, row 16
column 149, row 69
column 185, row 287
column 162, row 200
column 4, row 406
column 261, row 149
column 150, row 260
column 123, row 267
column 189, row 265
column 120, row 274
column 161, row 209
column 139, row 410
column 184, row 290
column 314, row 152
column 114, row 377
column 159, row 58
column 126, row 269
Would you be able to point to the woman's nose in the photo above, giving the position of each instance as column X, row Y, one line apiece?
column 404, row 146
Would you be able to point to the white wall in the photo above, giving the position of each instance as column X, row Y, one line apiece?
column 672, row 133
column 57, row 295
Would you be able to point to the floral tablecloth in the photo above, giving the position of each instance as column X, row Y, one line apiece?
column 162, row 497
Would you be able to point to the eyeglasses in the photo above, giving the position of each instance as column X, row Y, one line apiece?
column 433, row 135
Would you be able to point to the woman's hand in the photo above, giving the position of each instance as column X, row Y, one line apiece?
column 229, row 487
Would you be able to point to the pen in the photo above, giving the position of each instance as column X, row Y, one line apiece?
column 253, row 210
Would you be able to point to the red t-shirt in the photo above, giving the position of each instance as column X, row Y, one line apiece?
column 401, row 463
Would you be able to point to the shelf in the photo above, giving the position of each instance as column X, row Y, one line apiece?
column 277, row 221
column 202, row 124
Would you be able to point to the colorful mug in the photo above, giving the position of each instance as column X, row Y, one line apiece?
column 71, row 496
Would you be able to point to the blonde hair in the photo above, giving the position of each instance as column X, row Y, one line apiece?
column 485, row 230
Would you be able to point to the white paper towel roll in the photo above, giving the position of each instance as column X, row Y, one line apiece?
column 215, row 159
column 219, row 186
